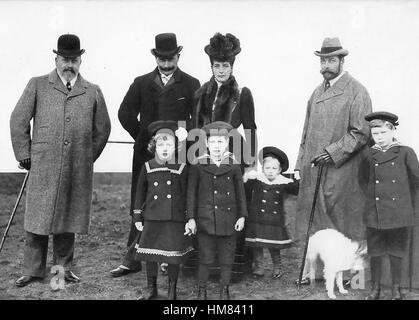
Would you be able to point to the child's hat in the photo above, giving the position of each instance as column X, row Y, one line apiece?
column 275, row 153
column 217, row 128
column 162, row 126
column 383, row 115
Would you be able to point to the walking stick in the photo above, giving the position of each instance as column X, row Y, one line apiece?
column 310, row 222
column 14, row 211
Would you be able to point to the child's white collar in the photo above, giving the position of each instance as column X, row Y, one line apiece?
column 280, row 179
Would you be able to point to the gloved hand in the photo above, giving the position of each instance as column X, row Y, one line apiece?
column 25, row 164
column 322, row 159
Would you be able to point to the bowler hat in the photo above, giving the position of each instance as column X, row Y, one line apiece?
column 383, row 115
column 68, row 46
column 331, row 47
column 275, row 153
column 223, row 47
column 163, row 126
column 166, row 46
column 217, row 128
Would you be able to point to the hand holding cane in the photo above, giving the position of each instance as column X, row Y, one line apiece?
column 313, row 207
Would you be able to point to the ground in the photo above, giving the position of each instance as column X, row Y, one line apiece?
column 102, row 250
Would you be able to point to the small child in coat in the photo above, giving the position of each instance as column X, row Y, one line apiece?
column 216, row 207
column 390, row 171
column 160, row 205
column 266, row 223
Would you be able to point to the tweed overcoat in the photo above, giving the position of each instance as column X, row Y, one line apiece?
column 70, row 130
column 334, row 122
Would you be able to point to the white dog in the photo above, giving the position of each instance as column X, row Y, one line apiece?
column 338, row 254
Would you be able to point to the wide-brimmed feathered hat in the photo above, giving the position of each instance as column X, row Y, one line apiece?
column 331, row 47
column 68, row 46
column 223, row 47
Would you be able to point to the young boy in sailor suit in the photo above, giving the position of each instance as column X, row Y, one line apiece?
column 390, row 171
column 216, row 206
column 265, row 227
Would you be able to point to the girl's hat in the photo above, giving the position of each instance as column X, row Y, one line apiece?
column 223, row 47
column 217, row 128
column 275, row 153
column 163, row 126
column 383, row 115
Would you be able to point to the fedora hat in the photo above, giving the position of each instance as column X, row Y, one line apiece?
column 275, row 153
column 223, row 47
column 331, row 47
column 68, row 46
column 166, row 46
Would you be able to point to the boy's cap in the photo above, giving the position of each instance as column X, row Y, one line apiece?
column 215, row 128
column 383, row 115
column 162, row 126
column 275, row 153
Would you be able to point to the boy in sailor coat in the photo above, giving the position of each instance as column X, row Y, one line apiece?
column 391, row 171
column 216, row 206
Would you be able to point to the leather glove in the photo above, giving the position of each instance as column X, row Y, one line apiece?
column 322, row 159
column 25, row 164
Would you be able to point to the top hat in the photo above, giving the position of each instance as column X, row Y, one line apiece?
column 277, row 154
column 162, row 126
column 223, row 47
column 331, row 47
column 68, row 46
column 217, row 128
column 166, row 46
column 383, row 115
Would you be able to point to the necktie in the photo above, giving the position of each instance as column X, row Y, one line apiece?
column 68, row 85
column 326, row 85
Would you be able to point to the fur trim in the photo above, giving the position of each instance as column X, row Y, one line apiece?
column 223, row 47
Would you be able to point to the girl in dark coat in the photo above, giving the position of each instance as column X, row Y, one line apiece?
column 160, row 206
column 266, row 223
column 392, row 174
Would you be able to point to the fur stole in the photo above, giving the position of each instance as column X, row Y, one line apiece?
column 226, row 101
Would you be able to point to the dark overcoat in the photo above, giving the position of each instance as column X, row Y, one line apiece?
column 391, row 176
column 216, row 196
column 335, row 123
column 70, row 130
column 161, row 192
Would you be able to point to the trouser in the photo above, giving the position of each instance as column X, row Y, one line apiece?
column 258, row 259
column 209, row 246
column 36, row 249
column 152, row 270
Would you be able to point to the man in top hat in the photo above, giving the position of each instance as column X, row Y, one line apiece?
column 70, row 129
column 166, row 93
column 334, row 133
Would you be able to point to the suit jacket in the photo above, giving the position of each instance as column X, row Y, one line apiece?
column 216, row 197
column 151, row 101
column 70, row 130
column 390, row 180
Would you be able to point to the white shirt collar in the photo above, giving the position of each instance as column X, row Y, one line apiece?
column 333, row 81
column 165, row 78
column 72, row 81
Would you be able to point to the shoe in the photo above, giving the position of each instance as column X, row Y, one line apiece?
column 224, row 293
column 375, row 293
column 163, row 268
column 151, row 290
column 304, row 282
column 395, row 293
column 121, row 271
column 202, row 293
column 25, row 280
column 171, row 293
column 69, row 276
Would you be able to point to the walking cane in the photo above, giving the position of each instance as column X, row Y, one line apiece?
column 310, row 222
column 14, row 211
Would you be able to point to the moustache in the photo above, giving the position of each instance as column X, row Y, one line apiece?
column 167, row 68
column 327, row 70
column 70, row 70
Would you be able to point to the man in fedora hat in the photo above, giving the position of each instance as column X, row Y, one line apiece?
column 166, row 93
column 334, row 133
column 70, row 129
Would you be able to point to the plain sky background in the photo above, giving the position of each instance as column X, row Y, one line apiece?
column 277, row 63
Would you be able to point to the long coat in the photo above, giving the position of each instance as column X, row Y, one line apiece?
column 146, row 101
column 216, row 197
column 392, row 178
column 70, row 130
column 334, row 122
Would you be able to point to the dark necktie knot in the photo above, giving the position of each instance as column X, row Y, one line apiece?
column 68, row 85
column 326, row 85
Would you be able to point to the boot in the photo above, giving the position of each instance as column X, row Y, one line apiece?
column 396, row 275
column 257, row 263
column 375, row 279
column 151, row 291
column 224, row 293
column 202, row 293
column 395, row 293
column 171, row 294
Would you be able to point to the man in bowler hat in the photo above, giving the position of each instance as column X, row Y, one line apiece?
column 166, row 93
column 334, row 134
column 70, row 129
